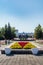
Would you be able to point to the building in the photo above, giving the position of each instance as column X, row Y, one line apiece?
column 29, row 34
column 23, row 33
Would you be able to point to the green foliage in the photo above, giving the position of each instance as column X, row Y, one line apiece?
column 3, row 30
column 7, row 32
column 38, row 32
column 1, row 36
column 13, row 32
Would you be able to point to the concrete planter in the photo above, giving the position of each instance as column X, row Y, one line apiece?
column 7, row 51
column 35, row 51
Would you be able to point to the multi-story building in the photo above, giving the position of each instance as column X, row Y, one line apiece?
column 23, row 33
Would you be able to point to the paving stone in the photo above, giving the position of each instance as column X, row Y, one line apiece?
column 21, row 59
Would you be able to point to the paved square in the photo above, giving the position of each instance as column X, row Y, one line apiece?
column 21, row 59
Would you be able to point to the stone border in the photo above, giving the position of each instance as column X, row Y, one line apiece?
column 35, row 51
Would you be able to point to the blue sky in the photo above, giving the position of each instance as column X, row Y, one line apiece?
column 24, row 15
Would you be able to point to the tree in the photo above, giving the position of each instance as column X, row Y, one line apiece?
column 13, row 32
column 1, row 36
column 38, row 32
column 9, row 32
column 3, row 31
column 6, row 32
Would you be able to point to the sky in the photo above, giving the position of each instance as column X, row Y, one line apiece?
column 24, row 15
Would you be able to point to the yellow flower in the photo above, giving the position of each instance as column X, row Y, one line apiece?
column 15, row 45
column 29, row 46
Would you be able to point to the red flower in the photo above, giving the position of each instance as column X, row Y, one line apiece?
column 23, row 43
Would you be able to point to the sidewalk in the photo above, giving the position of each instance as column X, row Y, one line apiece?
column 21, row 59
column 40, row 46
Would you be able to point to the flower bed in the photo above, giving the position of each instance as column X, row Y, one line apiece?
column 16, row 45
column 22, row 45
column 29, row 46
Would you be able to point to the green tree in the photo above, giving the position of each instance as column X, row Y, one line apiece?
column 13, row 32
column 9, row 32
column 1, row 36
column 38, row 32
column 3, row 31
column 6, row 32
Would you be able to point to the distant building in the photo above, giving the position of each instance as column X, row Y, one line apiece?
column 29, row 34
column 23, row 33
